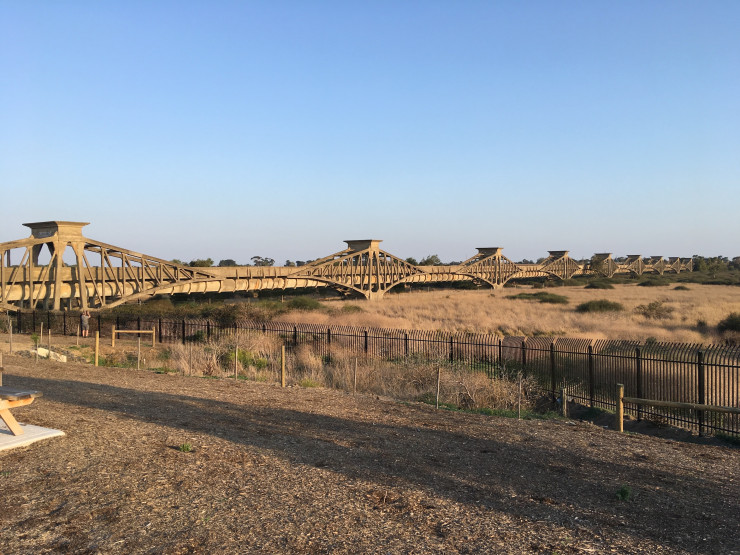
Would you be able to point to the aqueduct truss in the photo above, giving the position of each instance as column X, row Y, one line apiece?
column 98, row 275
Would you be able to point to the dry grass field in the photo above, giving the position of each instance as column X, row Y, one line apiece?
column 487, row 311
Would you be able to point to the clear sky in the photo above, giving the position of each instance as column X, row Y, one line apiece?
column 231, row 129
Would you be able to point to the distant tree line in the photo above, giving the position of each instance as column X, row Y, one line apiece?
column 709, row 264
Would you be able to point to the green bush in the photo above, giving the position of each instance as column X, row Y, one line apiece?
column 681, row 288
column 305, row 303
column 653, row 282
column 731, row 323
column 542, row 297
column 599, row 285
column 601, row 305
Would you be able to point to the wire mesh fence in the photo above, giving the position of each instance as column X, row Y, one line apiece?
column 590, row 370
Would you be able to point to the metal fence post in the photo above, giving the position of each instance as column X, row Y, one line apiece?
column 702, row 390
column 452, row 349
column 591, row 386
column 160, row 330
column 405, row 344
column 366, row 341
column 295, row 335
column 552, row 367
column 500, row 351
column 638, row 377
column 183, row 331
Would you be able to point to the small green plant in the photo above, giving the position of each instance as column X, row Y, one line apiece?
column 542, row 297
column 308, row 382
column 35, row 339
column 731, row 323
column 601, row 305
column 185, row 447
column 624, row 493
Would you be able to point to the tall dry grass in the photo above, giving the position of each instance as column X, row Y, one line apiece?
column 487, row 311
column 409, row 379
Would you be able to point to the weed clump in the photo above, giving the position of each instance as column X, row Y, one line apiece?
column 624, row 493
column 681, row 288
column 542, row 297
column 601, row 305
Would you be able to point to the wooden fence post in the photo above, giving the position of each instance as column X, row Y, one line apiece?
column 97, row 346
column 564, row 402
column 439, row 379
column 282, row 366
column 524, row 352
column 113, row 336
column 619, row 424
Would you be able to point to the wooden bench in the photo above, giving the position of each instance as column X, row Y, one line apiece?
column 13, row 398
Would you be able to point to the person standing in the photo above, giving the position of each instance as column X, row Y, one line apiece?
column 85, row 323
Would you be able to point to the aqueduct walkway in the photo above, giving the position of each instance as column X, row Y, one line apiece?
column 106, row 276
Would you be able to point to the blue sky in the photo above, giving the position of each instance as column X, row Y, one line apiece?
column 233, row 129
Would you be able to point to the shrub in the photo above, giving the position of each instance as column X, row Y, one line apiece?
column 352, row 308
column 601, row 305
column 653, row 282
column 305, row 303
column 542, row 297
column 731, row 323
column 599, row 285
column 681, row 288
column 655, row 310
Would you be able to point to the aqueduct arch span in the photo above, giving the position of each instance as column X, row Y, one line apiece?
column 104, row 276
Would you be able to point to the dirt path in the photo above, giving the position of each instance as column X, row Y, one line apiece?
column 311, row 470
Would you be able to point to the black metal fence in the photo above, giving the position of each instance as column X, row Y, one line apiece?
column 590, row 370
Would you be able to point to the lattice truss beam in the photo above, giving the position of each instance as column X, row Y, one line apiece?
column 362, row 267
column 117, row 275
column 491, row 267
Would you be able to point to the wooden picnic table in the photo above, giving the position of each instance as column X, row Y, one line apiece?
column 12, row 398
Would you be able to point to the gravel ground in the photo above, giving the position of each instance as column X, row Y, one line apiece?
column 312, row 470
